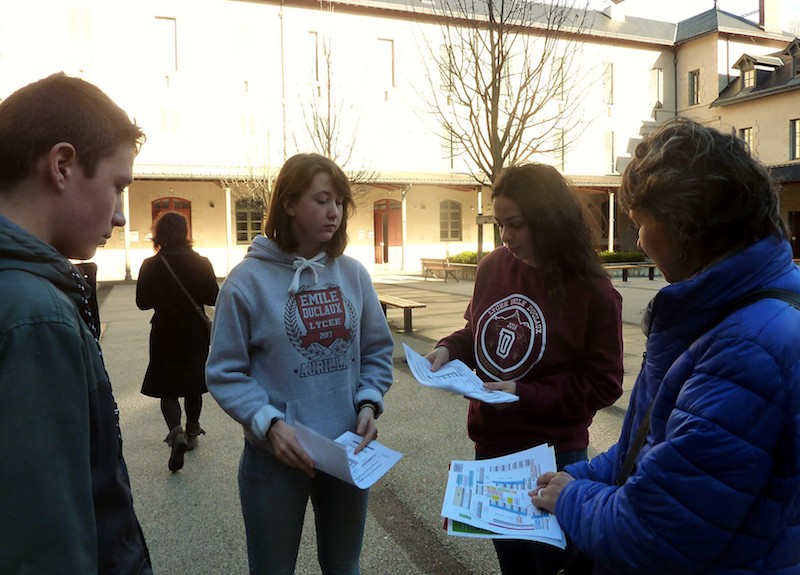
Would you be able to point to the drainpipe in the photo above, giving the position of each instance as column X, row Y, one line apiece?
column 479, row 189
column 403, row 231
column 228, row 230
column 126, row 209
column 611, row 219
column 675, row 82
column 283, row 82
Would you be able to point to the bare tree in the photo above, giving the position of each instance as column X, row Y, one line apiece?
column 332, row 124
column 506, row 84
column 256, row 185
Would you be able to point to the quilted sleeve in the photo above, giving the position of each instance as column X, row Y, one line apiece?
column 693, row 491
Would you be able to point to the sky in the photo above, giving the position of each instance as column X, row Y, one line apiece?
column 676, row 10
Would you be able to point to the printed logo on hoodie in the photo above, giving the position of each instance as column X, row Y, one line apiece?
column 321, row 324
column 511, row 338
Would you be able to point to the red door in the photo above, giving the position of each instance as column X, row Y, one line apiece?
column 172, row 204
column 387, row 223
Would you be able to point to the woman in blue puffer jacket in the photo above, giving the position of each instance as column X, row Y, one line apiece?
column 716, row 486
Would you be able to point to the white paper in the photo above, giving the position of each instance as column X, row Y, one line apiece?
column 492, row 494
column 338, row 458
column 454, row 376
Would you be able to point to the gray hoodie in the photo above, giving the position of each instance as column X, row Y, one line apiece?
column 302, row 340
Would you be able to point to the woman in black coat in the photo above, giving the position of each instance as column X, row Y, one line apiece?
column 179, row 337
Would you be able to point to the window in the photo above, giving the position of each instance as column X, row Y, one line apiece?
column 746, row 135
column 385, row 72
column 794, row 139
column 80, row 23
column 169, row 120
column 166, row 42
column 249, row 216
column 447, row 67
column 656, row 88
column 608, row 83
column 313, row 61
column 694, row 87
column 450, row 221
column 611, row 153
column 559, row 149
column 558, row 76
column 748, row 78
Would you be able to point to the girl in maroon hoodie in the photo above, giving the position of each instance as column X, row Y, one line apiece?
column 544, row 323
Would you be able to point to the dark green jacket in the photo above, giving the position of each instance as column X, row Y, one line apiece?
column 64, row 489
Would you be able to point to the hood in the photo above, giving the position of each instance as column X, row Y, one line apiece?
column 20, row 250
column 265, row 249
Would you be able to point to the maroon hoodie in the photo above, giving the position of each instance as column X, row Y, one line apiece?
column 564, row 353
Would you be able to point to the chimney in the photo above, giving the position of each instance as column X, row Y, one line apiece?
column 614, row 10
column 769, row 15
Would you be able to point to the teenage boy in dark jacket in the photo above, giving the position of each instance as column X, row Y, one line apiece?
column 66, row 155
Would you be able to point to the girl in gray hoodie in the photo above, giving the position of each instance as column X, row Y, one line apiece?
column 300, row 337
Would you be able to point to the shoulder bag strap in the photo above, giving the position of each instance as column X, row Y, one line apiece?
column 203, row 316
column 644, row 428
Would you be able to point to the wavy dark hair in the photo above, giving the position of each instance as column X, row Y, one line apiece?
column 294, row 179
column 171, row 231
column 705, row 185
column 563, row 241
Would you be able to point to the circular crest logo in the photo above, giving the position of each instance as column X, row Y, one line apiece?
column 511, row 338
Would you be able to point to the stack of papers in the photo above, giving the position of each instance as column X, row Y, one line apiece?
column 489, row 498
column 454, row 376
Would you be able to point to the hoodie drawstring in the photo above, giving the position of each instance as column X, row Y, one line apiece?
column 299, row 264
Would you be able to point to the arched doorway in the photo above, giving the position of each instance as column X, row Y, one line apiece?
column 181, row 206
column 388, row 223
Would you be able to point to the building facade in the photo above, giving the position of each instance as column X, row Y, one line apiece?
column 227, row 89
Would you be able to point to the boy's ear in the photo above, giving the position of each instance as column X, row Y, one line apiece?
column 61, row 163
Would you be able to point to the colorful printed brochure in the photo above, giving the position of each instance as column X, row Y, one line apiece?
column 489, row 498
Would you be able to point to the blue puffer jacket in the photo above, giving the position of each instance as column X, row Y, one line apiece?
column 716, row 488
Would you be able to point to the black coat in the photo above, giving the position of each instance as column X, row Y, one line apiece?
column 179, row 338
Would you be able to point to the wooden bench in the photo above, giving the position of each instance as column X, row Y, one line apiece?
column 651, row 270
column 431, row 266
column 405, row 304
column 624, row 267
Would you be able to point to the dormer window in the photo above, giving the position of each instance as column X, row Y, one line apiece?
column 793, row 50
column 748, row 78
column 754, row 70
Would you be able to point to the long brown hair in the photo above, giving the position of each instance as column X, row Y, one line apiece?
column 294, row 179
column 563, row 243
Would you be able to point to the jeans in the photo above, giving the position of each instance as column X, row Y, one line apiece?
column 517, row 557
column 274, row 499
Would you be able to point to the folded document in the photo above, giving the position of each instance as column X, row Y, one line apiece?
column 454, row 376
column 338, row 458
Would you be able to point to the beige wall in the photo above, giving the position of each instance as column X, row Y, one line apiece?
column 769, row 118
